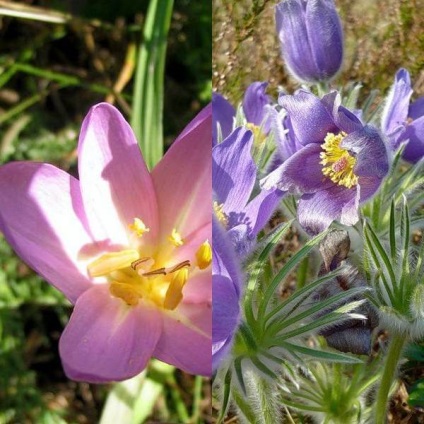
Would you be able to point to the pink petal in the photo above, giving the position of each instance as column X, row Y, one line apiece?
column 186, row 340
column 115, row 182
column 106, row 340
column 183, row 178
column 42, row 217
column 199, row 287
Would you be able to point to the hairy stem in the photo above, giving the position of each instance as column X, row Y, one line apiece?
column 390, row 367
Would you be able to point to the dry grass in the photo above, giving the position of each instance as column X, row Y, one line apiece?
column 380, row 37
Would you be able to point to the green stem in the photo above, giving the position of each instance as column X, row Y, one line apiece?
column 390, row 367
column 147, row 116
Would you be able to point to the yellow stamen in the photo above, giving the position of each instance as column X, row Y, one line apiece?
column 138, row 227
column 112, row 261
column 220, row 214
column 174, row 293
column 338, row 163
column 124, row 292
column 175, row 238
column 258, row 136
column 204, row 255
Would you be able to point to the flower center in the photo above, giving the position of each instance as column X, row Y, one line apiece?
column 220, row 214
column 258, row 136
column 338, row 163
column 132, row 276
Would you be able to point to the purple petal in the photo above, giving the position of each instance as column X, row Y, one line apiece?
column 226, row 308
column 414, row 132
column 115, row 183
column 186, row 339
column 317, row 211
column 302, row 173
column 42, row 218
column 368, row 186
column 395, row 112
column 260, row 209
column 107, row 340
column 309, row 117
column 416, row 109
column 223, row 114
column 255, row 102
column 233, row 170
column 293, row 35
column 370, row 151
column 182, row 179
column 326, row 37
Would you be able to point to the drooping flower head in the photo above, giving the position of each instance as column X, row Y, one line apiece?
column 130, row 249
column 227, row 286
column 311, row 38
column 233, row 181
column 403, row 121
column 341, row 164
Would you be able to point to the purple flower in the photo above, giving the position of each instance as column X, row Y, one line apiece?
column 312, row 38
column 233, row 181
column 127, row 247
column 226, row 281
column 341, row 164
column 255, row 107
column 402, row 121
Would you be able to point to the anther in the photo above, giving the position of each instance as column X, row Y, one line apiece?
column 179, row 266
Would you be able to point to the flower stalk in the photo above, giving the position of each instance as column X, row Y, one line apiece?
column 390, row 367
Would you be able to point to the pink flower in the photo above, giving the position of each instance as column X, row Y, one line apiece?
column 130, row 249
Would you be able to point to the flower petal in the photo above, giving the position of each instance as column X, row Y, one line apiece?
column 186, row 339
column 293, row 35
column 318, row 210
column 226, row 308
column 199, row 288
column 106, row 340
column 414, row 149
column 233, row 170
column 42, row 217
column 115, row 182
column 326, row 37
column 223, row 114
column 395, row 111
column 183, row 179
column 255, row 101
column 370, row 151
column 301, row 173
column 309, row 117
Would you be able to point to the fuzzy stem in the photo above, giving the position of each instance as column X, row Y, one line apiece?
column 390, row 367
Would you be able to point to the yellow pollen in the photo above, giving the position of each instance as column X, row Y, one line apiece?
column 124, row 292
column 112, row 261
column 174, row 294
column 220, row 214
column 258, row 136
column 204, row 255
column 138, row 227
column 338, row 163
column 175, row 238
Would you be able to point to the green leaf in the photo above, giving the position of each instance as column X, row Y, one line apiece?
column 147, row 116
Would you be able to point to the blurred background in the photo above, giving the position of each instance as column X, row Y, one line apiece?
column 380, row 37
column 57, row 59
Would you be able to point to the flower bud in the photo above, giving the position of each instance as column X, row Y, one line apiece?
column 312, row 38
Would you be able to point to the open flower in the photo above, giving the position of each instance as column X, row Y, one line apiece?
column 130, row 249
column 311, row 38
column 341, row 164
column 403, row 121
column 227, row 284
column 233, row 181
